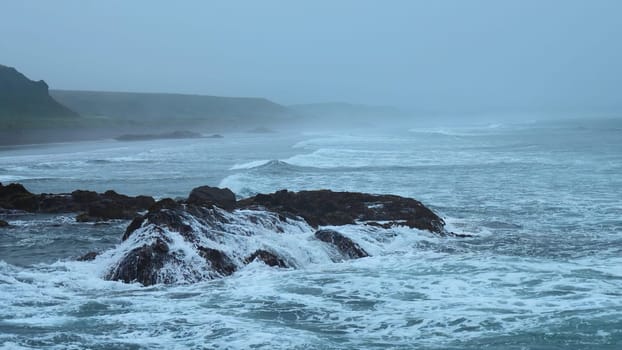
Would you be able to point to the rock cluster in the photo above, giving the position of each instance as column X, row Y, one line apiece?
column 202, row 222
column 312, row 208
column 93, row 206
column 324, row 207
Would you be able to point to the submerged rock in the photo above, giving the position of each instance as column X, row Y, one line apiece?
column 344, row 245
column 4, row 223
column 267, row 258
column 88, row 256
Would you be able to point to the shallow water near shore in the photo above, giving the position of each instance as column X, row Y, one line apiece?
column 543, row 270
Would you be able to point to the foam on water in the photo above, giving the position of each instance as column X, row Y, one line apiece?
column 543, row 270
column 413, row 289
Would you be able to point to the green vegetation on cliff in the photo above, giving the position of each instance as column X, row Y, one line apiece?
column 27, row 104
column 146, row 108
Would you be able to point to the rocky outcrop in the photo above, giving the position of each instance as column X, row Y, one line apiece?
column 208, row 196
column 322, row 208
column 212, row 235
column 95, row 206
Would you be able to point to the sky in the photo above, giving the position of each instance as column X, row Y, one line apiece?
column 475, row 55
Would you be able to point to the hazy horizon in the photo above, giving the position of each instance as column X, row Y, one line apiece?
column 448, row 56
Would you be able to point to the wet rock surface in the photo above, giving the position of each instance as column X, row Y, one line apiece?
column 211, row 234
column 88, row 256
column 92, row 205
column 325, row 207
column 212, row 216
column 267, row 258
column 344, row 245
column 142, row 264
column 206, row 196
column 219, row 261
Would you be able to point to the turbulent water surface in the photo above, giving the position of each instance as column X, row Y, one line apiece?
column 543, row 271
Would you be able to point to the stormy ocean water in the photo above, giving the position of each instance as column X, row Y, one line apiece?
column 543, row 269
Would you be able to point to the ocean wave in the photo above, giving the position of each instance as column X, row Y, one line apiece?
column 414, row 295
column 13, row 178
column 484, row 130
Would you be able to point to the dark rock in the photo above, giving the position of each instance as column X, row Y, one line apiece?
column 386, row 225
column 344, row 244
column 207, row 196
column 84, row 197
column 58, row 203
column 4, row 223
column 106, row 206
column 166, row 203
column 85, row 217
column 179, row 134
column 198, row 222
column 324, row 208
column 136, row 223
column 15, row 196
column 88, row 256
column 171, row 219
column 459, row 235
column 141, row 264
column 219, row 261
column 267, row 258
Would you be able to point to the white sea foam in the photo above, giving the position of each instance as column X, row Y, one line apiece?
column 545, row 273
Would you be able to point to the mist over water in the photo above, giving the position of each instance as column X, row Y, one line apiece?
column 543, row 267
column 504, row 117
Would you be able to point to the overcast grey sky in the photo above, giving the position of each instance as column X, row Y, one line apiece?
column 436, row 54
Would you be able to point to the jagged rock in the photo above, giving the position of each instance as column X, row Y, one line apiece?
column 15, row 196
column 141, row 264
column 345, row 245
column 136, row 223
column 267, row 258
column 168, row 218
column 207, row 196
column 219, row 261
column 88, row 256
column 95, row 206
column 171, row 246
column 166, row 203
column 4, row 223
column 324, row 208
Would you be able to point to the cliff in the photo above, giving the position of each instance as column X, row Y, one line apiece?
column 22, row 99
column 147, row 107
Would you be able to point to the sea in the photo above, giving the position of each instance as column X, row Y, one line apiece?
column 542, row 270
